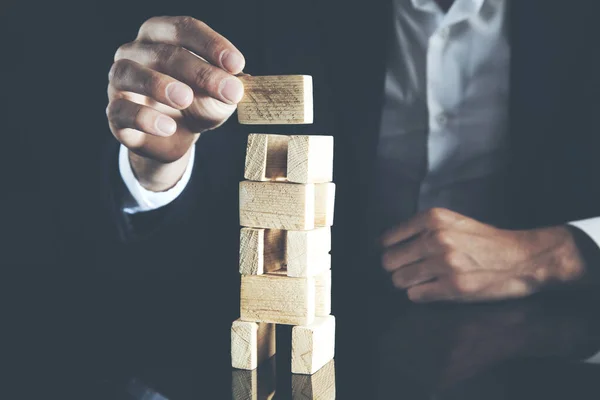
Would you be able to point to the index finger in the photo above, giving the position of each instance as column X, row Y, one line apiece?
column 197, row 37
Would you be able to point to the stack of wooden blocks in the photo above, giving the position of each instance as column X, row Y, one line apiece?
column 286, row 213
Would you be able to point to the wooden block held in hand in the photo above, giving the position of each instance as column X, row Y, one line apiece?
column 266, row 157
column 277, row 299
column 313, row 345
column 278, row 99
column 276, row 205
column 251, row 343
column 307, row 252
column 261, row 250
column 323, row 294
column 310, row 159
column 320, row 386
column 324, row 204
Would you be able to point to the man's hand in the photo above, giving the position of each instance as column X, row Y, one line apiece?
column 442, row 255
column 173, row 82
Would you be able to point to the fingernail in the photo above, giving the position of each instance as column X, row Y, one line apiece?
column 231, row 89
column 179, row 94
column 165, row 125
column 232, row 61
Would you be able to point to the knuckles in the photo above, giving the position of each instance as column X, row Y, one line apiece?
column 463, row 284
column 439, row 217
column 441, row 239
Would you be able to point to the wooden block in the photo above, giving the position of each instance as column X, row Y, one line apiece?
column 251, row 343
column 307, row 252
column 283, row 99
column 313, row 345
column 262, row 250
column 277, row 299
column 266, row 157
column 277, row 205
column 320, row 386
column 310, row 159
column 252, row 251
column 323, row 294
column 324, row 204
column 274, row 250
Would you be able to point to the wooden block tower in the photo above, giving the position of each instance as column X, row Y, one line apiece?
column 286, row 213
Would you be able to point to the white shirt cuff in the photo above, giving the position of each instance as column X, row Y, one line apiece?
column 591, row 227
column 141, row 199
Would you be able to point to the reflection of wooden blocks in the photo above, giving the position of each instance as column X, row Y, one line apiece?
column 313, row 345
column 261, row 250
column 323, row 294
column 307, row 252
column 266, row 157
column 283, row 99
column 310, row 159
column 318, row 386
column 295, row 207
column 244, row 384
column 277, row 299
column 256, row 384
column 251, row 343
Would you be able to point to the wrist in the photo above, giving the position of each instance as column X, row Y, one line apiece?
column 158, row 176
column 556, row 257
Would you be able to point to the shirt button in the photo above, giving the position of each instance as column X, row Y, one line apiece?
column 441, row 119
column 444, row 33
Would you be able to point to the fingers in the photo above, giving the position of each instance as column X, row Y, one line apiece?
column 435, row 218
column 124, row 114
column 470, row 287
column 129, row 76
column 426, row 244
column 460, row 287
column 451, row 263
column 185, row 67
column 195, row 36
column 403, row 254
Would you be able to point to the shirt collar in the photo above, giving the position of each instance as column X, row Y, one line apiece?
column 460, row 10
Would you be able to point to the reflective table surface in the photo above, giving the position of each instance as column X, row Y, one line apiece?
column 537, row 348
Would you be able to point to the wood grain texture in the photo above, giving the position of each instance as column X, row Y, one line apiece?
column 310, row 159
column 324, row 204
column 252, row 251
column 277, row 205
column 251, row 343
column 262, row 250
column 313, row 345
column 323, row 294
column 277, row 99
column 259, row 384
column 274, row 250
column 244, row 384
column 319, row 386
column 277, row 299
column 266, row 157
column 307, row 252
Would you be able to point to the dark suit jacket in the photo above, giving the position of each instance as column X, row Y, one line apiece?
column 66, row 49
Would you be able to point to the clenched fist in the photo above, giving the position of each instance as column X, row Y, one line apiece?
column 173, row 82
column 442, row 255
